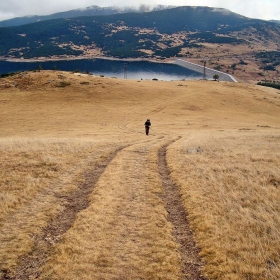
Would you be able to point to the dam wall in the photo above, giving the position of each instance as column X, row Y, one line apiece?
column 208, row 71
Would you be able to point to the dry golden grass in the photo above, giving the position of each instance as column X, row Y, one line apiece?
column 34, row 174
column 232, row 192
column 51, row 136
column 124, row 233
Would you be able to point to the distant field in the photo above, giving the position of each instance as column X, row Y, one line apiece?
column 85, row 194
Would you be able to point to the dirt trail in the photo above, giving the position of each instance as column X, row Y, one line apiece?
column 43, row 243
column 191, row 263
column 127, row 234
column 132, row 237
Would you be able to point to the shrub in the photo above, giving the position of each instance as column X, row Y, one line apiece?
column 63, row 84
column 242, row 62
column 5, row 75
column 269, row 68
column 216, row 77
column 269, row 84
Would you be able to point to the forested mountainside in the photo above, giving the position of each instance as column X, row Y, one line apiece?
column 227, row 39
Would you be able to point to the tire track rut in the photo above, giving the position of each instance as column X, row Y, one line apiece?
column 30, row 265
column 191, row 263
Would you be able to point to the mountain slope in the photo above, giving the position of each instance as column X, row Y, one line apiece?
column 129, row 33
column 276, row 21
column 199, row 33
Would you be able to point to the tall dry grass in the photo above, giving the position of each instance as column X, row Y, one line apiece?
column 231, row 190
column 35, row 174
column 124, row 233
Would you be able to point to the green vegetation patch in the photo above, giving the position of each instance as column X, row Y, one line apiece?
column 269, row 59
column 269, row 56
column 5, row 75
column 168, row 52
column 269, row 84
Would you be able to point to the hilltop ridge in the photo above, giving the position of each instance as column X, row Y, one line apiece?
column 191, row 104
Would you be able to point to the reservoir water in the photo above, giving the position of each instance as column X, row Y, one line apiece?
column 134, row 70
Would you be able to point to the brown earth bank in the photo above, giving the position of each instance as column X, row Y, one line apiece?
column 85, row 194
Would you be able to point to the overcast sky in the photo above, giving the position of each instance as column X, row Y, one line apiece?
column 262, row 9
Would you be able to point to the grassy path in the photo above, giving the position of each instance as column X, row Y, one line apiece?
column 124, row 233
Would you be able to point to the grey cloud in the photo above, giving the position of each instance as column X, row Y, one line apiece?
column 266, row 9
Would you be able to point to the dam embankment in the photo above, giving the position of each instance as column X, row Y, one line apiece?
column 208, row 71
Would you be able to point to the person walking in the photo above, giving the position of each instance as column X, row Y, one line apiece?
column 147, row 126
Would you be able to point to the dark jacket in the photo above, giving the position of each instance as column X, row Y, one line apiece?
column 148, row 123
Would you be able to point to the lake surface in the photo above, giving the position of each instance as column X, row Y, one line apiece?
column 134, row 70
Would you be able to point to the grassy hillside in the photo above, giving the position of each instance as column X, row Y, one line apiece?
column 84, row 193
